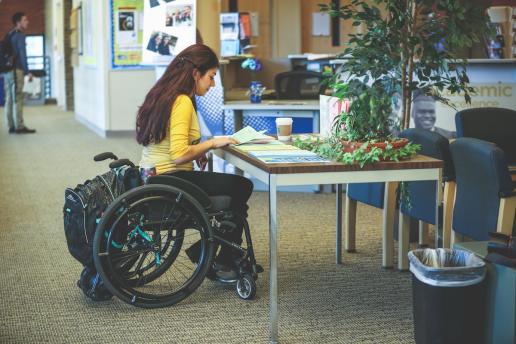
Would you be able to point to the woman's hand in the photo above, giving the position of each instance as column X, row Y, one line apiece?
column 222, row 141
column 195, row 151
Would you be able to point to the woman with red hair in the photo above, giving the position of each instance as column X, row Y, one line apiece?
column 168, row 128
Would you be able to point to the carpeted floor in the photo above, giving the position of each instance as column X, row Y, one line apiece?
column 320, row 302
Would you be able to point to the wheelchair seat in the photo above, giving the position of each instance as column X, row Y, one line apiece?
column 210, row 203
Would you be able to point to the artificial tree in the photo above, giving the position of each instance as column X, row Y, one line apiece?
column 406, row 45
column 410, row 45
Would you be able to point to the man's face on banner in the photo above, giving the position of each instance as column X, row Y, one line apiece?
column 423, row 113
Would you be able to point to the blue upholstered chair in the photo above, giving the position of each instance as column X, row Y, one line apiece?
column 496, row 125
column 486, row 196
column 423, row 194
column 374, row 195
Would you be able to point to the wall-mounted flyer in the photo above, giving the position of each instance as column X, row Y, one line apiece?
column 168, row 27
column 127, row 33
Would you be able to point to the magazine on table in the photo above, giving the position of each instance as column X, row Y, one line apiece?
column 249, row 135
column 288, row 156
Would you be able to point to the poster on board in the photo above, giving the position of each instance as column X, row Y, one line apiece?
column 168, row 27
column 127, row 33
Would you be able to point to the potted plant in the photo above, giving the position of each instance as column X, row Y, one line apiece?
column 406, row 45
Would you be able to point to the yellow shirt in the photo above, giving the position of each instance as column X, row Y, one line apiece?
column 183, row 131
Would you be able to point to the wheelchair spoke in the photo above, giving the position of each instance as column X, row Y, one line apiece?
column 152, row 230
column 126, row 255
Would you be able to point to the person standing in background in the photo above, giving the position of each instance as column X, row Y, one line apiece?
column 14, row 80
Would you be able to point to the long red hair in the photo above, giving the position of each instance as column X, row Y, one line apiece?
column 154, row 114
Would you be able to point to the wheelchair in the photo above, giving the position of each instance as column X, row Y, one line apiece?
column 140, row 244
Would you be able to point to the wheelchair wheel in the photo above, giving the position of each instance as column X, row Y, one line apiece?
column 139, row 246
column 246, row 287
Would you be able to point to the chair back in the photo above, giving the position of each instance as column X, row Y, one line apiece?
column 423, row 194
column 497, row 125
column 298, row 85
column 481, row 175
column 368, row 193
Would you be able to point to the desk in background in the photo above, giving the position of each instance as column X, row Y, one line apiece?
column 275, row 175
column 274, row 108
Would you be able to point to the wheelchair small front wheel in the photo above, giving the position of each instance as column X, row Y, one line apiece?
column 246, row 287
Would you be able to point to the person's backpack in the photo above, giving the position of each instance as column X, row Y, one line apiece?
column 85, row 204
column 6, row 54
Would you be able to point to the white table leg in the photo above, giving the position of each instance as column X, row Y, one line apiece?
column 403, row 241
column 338, row 247
column 389, row 207
column 273, row 258
column 350, row 226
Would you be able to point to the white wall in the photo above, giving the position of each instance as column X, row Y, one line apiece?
column 57, row 51
column 89, row 77
column 286, row 24
column 107, row 100
column 127, row 90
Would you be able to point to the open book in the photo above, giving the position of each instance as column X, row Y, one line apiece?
column 249, row 135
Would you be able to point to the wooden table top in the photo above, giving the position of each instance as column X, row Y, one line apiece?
column 418, row 162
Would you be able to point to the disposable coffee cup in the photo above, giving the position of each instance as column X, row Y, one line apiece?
column 284, row 128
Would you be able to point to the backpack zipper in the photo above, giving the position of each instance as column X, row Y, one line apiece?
column 83, row 210
column 107, row 186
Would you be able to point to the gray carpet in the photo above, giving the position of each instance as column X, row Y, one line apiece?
column 320, row 302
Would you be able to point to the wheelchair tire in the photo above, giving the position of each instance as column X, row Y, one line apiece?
column 139, row 246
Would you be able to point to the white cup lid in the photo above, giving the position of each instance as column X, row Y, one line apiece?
column 283, row 120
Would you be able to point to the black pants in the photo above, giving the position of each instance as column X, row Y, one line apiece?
column 221, row 184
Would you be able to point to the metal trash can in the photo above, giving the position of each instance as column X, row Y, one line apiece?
column 449, row 296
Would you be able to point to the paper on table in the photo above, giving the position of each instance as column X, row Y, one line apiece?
column 299, row 152
column 249, row 135
column 269, row 146
column 288, row 156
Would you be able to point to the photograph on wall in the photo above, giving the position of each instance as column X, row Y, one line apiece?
column 126, row 21
column 178, row 16
column 167, row 30
column 153, row 3
column 494, row 45
column 162, row 43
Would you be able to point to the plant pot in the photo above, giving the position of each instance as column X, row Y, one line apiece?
column 351, row 146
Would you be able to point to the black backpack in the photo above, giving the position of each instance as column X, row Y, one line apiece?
column 85, row 204
column 6, row 54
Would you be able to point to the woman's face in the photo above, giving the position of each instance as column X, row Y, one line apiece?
column 205, row 82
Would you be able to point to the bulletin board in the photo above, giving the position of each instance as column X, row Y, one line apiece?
column 169, row 27
column 126, row 33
